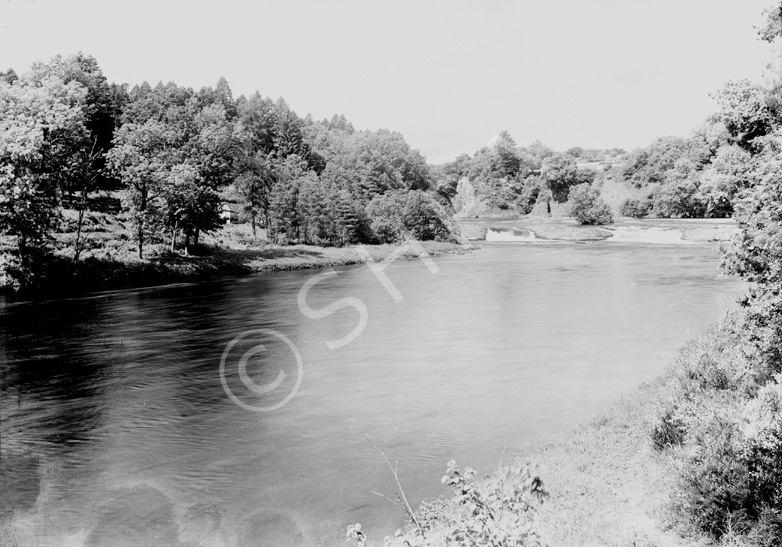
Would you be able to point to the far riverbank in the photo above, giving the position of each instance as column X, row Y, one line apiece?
column 64, row 277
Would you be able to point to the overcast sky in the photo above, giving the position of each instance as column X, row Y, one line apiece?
column 448, row 74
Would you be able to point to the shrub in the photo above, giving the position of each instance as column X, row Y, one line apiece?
column 716, row 494
column 669, row 431
column 498, row 511
column 587, row 206
column 528, row 194
column 722, row 428
column 635, row 208
column 761, row 446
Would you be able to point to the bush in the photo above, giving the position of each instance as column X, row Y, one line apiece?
column 635, row 208
column 588, row 207
column 669, row 431
column 716, row 494
column 722, row 428
column 395, row 216
column 761, row 446
column 497, row 511
column 679, row 200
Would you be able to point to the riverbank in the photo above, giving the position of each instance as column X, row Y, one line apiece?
column 623, row 478
column 105, row 270
column 606, row 484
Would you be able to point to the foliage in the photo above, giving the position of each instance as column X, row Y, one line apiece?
column 650, row 165
column 498, row 511
column 528, row 193
column 174, row 151
column 721, row 427
column 679, row 196
column 746, row 112
column 42, row 129
column 587, row 206
column 561, row 173
column 635, row 208
column 668, row 431
column 396, row 216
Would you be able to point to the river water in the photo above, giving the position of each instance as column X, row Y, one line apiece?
column 121, row 427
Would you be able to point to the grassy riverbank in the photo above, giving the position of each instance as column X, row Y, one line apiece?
column 648, row 471
column 607, row 485
column 110, row 261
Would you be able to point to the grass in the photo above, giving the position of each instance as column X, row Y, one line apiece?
column 609, row 485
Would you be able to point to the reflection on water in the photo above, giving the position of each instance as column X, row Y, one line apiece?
column 116, row 429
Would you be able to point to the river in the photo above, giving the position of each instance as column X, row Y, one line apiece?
column 125, row 420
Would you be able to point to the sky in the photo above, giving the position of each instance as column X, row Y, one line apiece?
column 447, row 74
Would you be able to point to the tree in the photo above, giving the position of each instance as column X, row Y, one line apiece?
column 587, row 205
column 539, row 151
column 254, row 184
column 746, row 112
column 287, row 132
column 256, row 118
column 560, row 173
column 102, row 104
column 649, row 165
column 447, row 176
column 757, row 254
column 723, row 179
column 139, row 159
column 191, row 205
column 397, row 215
column 175, row 140
column 507, row 154
column 285, row 209
column 772, row 25
column 679, row 196
column 42, row 128
column 9, row 76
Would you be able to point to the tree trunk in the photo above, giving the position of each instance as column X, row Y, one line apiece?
column 22, row 244
column 141, row 240
column 82, row 207
column 142, row 213
column 173, row 236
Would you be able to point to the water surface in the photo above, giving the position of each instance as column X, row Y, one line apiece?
column 117, row 429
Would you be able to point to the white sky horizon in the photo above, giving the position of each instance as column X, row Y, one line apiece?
column 447, row 74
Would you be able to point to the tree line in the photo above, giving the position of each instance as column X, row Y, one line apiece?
column 178, row 155
column 706, row 174
column 512, row 178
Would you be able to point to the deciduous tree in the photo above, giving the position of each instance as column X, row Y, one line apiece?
column 42, row 128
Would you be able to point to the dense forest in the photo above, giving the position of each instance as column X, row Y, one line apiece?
column 176, row 157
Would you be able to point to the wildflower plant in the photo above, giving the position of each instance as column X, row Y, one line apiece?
column 497, row 511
